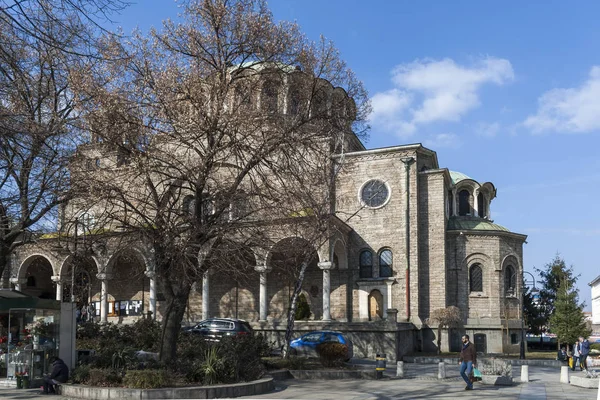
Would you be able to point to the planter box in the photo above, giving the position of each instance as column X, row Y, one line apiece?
column 497, row 380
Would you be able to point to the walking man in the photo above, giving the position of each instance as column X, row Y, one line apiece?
column 583, row 352
column 576, row 355
column 468, row 359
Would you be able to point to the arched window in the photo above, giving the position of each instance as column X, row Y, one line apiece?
column 481, row 205
column 188, row 205
column 85, row 223
column 319, row 104
column 294, row 102
column 366, row 264
column 243, row 97
column 269, row 97
column 510, row 281
column 475, row 278
column 385, row 263
column 464, row 206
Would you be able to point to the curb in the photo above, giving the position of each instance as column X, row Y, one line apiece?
column 253, row 388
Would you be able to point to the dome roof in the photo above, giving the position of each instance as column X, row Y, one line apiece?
column 458, row 176
column 474, row 224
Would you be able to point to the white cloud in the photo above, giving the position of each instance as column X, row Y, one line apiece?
column 571, row 110
column 429, row 90
column 387, row 106
column 449, row 140
column 487, row 129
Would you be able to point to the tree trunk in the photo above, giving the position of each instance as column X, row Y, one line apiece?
column 289, row 331
column 439, row 339
column 171, row 323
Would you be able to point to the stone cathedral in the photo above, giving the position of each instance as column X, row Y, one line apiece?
column 415, row 237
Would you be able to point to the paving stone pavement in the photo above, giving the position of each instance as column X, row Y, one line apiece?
column 422, row 383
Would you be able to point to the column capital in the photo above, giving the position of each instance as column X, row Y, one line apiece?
column 325, row 265
column 150, row 274
column 262, row 268
column 18, row 281
column 104, row 276
column 56, row 279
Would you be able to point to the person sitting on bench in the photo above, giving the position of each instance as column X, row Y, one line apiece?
column 59, row 374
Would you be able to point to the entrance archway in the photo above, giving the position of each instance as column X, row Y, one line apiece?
column 285, row 260
column 375, row 305
column 37, row 273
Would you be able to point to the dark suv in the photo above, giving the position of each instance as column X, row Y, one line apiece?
column 215, row 328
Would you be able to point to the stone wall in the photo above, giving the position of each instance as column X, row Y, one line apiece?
column 369, row 339
column 432, row 236
column 381, row 228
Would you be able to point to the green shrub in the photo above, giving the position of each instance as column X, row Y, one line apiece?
column 595, row 346
column 104, row 377
column 241, row 358
column 80, row 374
column 121, row 358
column 148, row 379
column 332, row 354
column 302, row 309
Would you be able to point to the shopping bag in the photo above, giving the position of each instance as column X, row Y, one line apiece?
column 476, row 374
column 571, row 362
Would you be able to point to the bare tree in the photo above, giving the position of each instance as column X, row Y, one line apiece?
column 448, row 318
column 81, row 20
column 217, row 135
column 42, row 46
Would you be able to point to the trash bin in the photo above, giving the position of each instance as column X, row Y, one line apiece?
column 380, row 365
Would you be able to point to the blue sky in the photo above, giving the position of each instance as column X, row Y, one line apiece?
column 506, row 92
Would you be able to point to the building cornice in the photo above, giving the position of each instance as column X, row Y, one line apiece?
column 468, row 232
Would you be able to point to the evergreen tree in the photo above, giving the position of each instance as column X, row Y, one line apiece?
column 568, row 321
column 553, row 275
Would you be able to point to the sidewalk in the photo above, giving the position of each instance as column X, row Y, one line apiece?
column 421, row 383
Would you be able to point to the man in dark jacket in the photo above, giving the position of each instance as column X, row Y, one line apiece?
column 59, row 374
column 585, row 350
column 468, row 359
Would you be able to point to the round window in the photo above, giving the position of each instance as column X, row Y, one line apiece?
column 374, row 193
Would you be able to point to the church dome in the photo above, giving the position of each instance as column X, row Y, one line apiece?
column 458, row 176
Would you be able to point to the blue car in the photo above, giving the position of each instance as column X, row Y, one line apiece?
column 306, row 345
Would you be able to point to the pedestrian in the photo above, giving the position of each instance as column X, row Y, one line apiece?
column 91, row 312
column 59, row 374
column 468, row 359
column 562, row 355
column 576, row 355
column 583, row 353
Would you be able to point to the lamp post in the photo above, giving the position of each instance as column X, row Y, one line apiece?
column 534, row 290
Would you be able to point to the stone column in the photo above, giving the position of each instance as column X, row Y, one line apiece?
column 59, row 287
column 205, row 295
column 388, row 298
column 325, row 266
column 454, row 203
column 263, row 312
column 152, row 302
column 18, row 282
column 475, row 203
column 104, row 278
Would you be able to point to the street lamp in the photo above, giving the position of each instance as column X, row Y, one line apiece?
column 534, row 290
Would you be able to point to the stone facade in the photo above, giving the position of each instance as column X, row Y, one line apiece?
column 411, row 238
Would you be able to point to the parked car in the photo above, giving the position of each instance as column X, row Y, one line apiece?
column 216, row 328
column 307, row 344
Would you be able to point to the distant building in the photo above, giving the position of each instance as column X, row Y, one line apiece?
column 595, row 284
